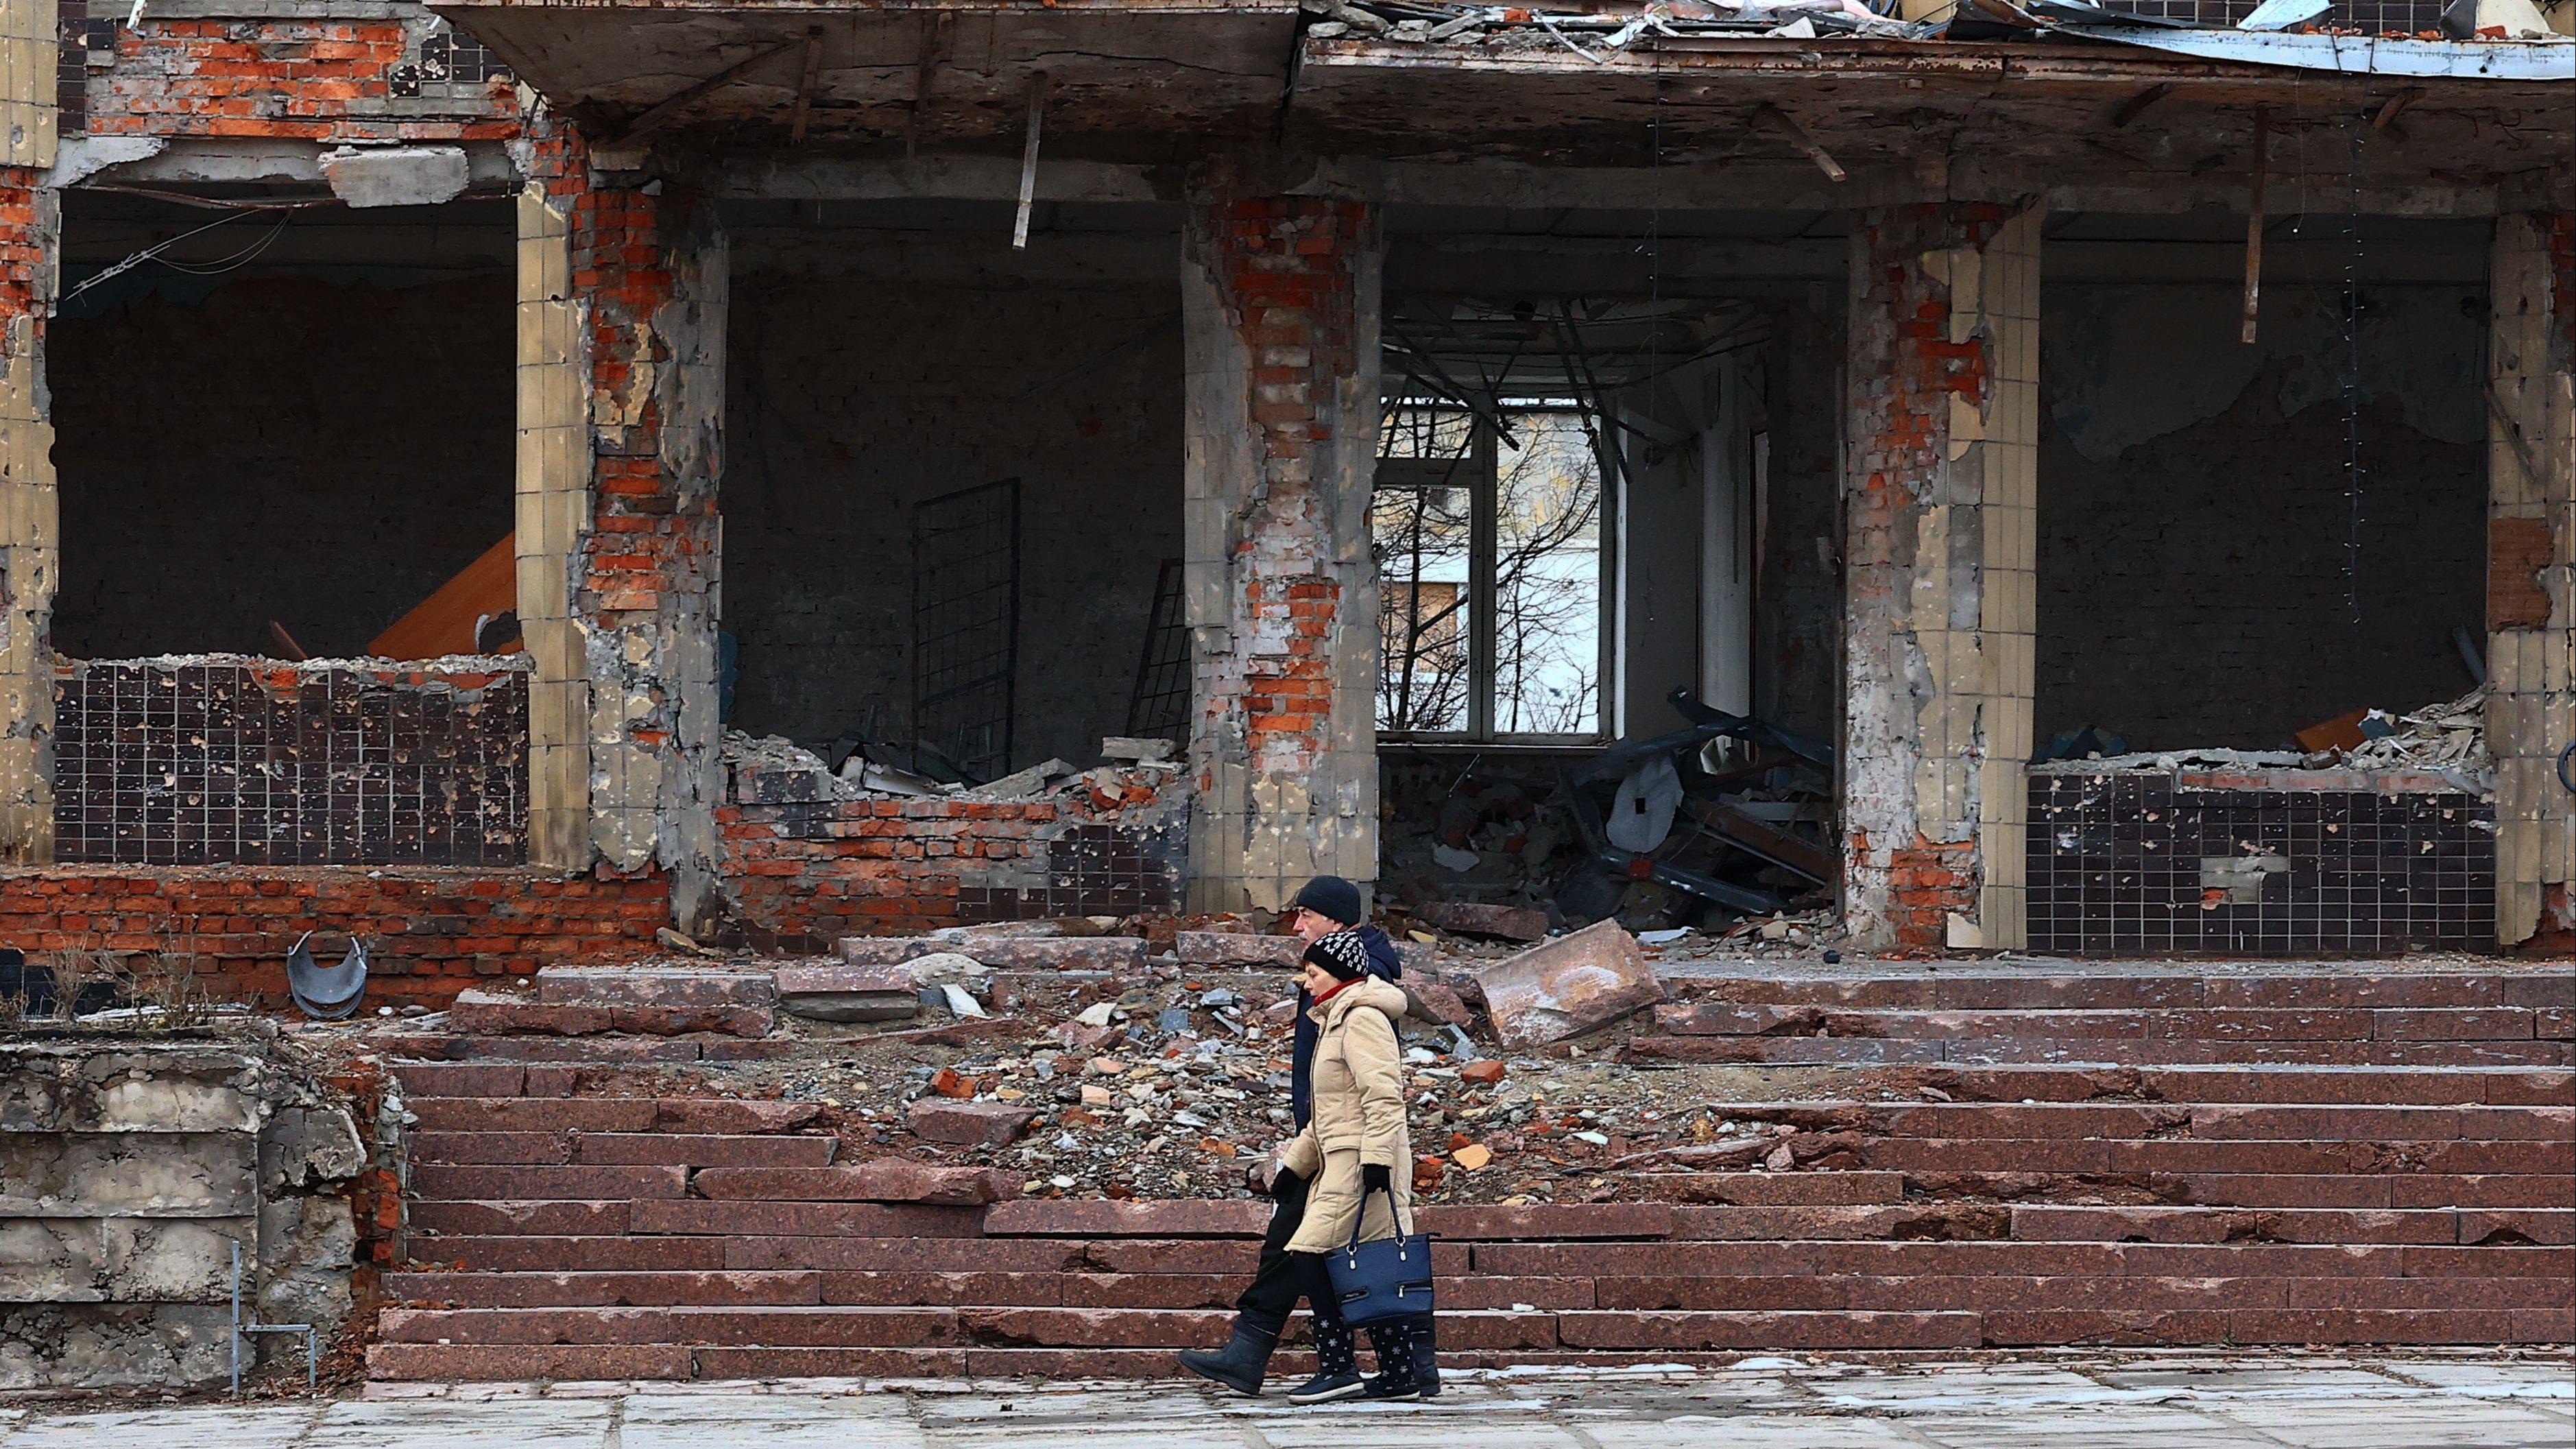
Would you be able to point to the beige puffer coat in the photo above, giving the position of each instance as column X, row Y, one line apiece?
column 1358, row 1119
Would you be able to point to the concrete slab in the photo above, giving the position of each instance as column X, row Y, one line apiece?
column 454, row 1423
column 2420, row 1426
column 1783, row 1432
column 768, row 1421
column 2079, row 1400
column 274, row 1427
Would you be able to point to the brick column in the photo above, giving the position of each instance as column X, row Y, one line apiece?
column 29, row 235
column 620, row 436
column 1280, row 308
column 2531, row 574
column 1940, row 478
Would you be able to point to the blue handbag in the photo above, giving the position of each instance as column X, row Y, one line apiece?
column 1383, row 1281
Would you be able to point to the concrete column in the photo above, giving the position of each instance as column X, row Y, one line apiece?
column 618, row 511
column 2531, row 574
column 1280, row 311
column 29, row 241
column 554, row 508
column 1940, row 479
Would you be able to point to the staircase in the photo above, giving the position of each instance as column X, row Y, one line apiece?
column 2157, row 1156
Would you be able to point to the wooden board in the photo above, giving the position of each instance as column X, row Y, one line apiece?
column 444, row 622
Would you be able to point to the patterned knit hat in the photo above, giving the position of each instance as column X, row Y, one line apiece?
column 1342, row 953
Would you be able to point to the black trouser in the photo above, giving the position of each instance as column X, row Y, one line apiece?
column 1280, row 1280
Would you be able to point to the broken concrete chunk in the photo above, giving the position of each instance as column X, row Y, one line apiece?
column 1238, row 948
column 304, row 1147
column 1478, row 918
column 969, row 1124
column 1022, row 783
column 1568, row 986
column 1431, row 1001
column 846, row 993
column 1122, row 747
column 1118, row 954
column 942, row 968
column 881, row 950
column 395, row 175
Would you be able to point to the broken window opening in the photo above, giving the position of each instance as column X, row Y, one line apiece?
column 1487, row 533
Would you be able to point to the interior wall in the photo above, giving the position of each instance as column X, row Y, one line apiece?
column 289, row 448
column 1798, row 609
column 2206, row 576
column 872, row 369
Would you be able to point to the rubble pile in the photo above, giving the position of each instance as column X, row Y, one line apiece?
column 2448, row 737
column 2442, row 736
column 1076, row 1062
column 1598, row 35
column 773, row 770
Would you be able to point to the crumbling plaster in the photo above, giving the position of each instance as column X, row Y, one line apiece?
column 2531, row 649
column 128, row 1170
column 1280, row 306
column 30, row 221
column 1940, row 483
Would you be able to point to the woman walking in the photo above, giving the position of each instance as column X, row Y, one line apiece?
column 1355, row 1156
column 1328, row 908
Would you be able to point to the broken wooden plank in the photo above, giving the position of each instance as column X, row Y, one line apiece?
column 445, row 622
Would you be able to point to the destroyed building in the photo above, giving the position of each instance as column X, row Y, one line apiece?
column 502, row 486
column 1386, row 406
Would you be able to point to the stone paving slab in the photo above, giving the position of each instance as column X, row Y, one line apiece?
column 2072, row 1401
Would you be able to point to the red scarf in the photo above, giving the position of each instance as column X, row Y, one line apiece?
column 1337, row 990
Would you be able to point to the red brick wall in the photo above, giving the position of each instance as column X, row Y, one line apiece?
column 430, row 933
column 281, row 77
column 805, row 873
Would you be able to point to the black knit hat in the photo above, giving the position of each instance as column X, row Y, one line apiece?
column 1333, row 898
column 1342, row 953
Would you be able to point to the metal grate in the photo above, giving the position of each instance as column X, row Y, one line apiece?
column 2372, row 16
column 1160, row 707
column 221, row 762
column 966, row 624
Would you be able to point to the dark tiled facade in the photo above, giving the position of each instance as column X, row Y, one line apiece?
column 253, row 763
column 2151, row 864
column 1092, row 870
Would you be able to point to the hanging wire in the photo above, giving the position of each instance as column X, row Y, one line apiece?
column 237, row 260
column 147, row 254
column 2352, row 473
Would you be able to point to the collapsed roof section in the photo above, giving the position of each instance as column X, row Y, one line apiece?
column 1793, row 97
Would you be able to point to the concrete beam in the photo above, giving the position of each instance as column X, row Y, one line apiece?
column 182, row 162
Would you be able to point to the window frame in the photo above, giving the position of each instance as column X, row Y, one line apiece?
column 1478, row 471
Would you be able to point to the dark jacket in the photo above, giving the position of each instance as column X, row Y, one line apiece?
column 1384, row 963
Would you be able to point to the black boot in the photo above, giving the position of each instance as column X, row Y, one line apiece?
column 1408, row 1367
column 1245, row 1357
column 1337, row 1366
column 1426, row 1359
